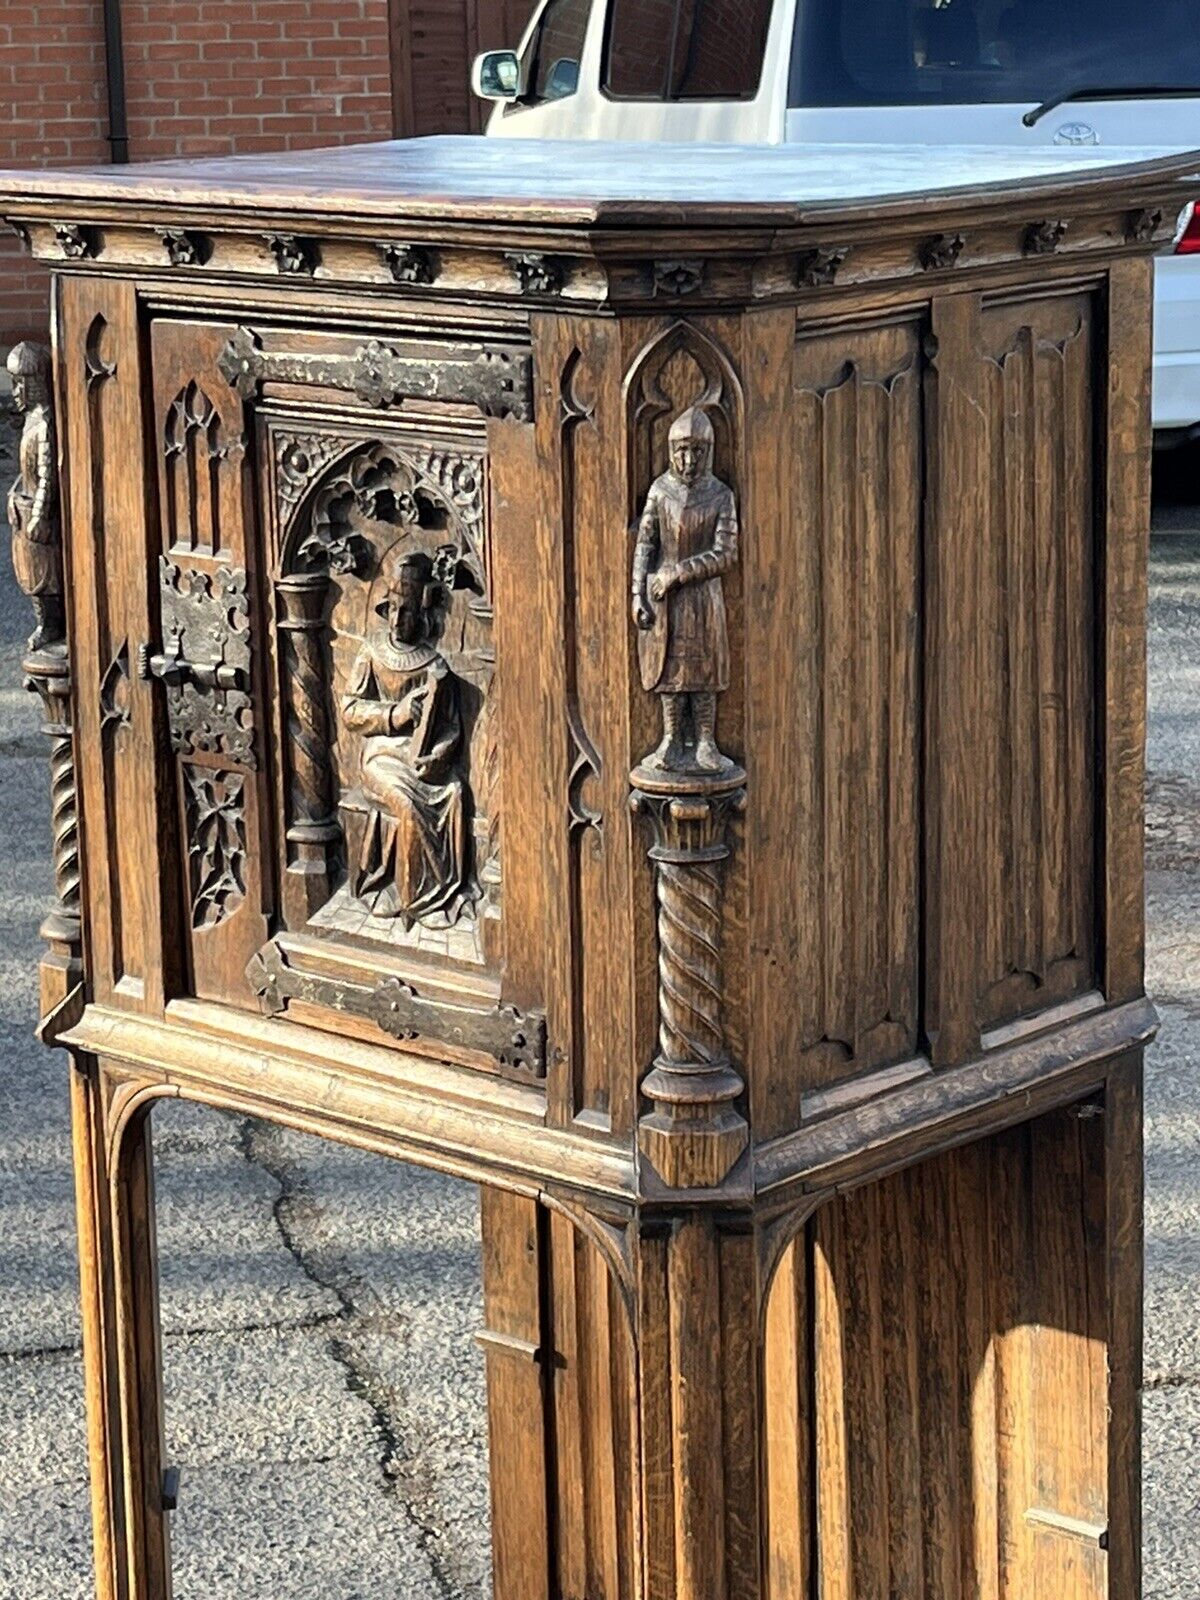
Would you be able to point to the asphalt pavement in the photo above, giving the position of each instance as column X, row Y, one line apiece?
column 324, row 1394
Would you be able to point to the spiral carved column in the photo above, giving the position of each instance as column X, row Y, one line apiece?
column 693, row 1133
column 48, row 674
column 313, row 832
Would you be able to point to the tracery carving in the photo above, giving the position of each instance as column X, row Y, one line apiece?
column 216, row 843
column 114, row 694
column 194, row 448
column 300, row 459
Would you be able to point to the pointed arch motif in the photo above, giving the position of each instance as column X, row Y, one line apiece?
column 681, row 367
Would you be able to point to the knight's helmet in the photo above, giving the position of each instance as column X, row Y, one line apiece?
column 693, row 427
column 29, row 363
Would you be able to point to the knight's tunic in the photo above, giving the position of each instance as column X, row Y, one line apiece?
column 693, row 527
column 33, row 511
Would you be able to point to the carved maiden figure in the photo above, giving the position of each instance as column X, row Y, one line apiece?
column 687, row 540
column 33, row 513
column 403, row 698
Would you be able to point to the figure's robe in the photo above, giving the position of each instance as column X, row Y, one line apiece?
column 413, row 861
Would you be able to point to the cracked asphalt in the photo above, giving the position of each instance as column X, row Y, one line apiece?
column 324, row 1394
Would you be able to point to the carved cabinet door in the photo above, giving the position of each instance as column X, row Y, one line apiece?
column 207, row 656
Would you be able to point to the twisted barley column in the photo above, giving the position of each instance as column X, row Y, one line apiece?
column 689, row 963
column 48, row 673
column 301, row 625
column 64, row 821
column 312, row 826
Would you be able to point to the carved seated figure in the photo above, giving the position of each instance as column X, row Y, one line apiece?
column 403, row 698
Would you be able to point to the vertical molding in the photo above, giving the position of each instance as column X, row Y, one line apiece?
column 1124, row 543
column 956, row 508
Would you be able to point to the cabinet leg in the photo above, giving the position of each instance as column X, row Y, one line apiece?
column 121, row 1351
column 698, row 1366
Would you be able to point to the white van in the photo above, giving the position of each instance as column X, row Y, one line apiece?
column 929, row 72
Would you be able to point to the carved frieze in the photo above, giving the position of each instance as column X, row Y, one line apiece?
column 537, row 273
column 515, row 1039
column 214, row 803
column 679, row 276
column 1142, row 226
column 941, row 251
column 1044, row 238
column 499, row 382
column 76, row 242
column 294, row 256
column 185, row 247
column 205, row 661
column 818, row 268
column 410, row 263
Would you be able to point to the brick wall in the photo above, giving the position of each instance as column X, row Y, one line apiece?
column 203, row 77
column 52, row 91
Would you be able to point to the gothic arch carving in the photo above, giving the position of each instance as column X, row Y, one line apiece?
column 681, row 367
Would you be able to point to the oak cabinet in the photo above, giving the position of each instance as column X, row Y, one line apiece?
column 635, row 697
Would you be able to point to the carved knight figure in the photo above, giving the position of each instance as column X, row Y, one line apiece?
column 687, row 540
column 33, row 511
column 403, row 698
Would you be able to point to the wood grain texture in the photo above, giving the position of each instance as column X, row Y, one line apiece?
column 959, row 1382
column 884, row 1343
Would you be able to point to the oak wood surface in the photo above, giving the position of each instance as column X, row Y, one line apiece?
column 804, row 1094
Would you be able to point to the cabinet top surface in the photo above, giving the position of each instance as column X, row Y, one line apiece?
column 471, row 177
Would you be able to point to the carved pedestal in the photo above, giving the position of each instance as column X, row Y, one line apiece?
column 410, row 539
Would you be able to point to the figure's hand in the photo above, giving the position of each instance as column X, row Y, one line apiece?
column 662, row 582
column 643, row 617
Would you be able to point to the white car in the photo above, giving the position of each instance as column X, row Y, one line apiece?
column 1005, row 74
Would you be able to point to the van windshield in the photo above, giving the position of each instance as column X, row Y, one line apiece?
column 917, row 52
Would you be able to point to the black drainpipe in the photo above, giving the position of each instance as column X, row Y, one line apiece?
column 114, row 59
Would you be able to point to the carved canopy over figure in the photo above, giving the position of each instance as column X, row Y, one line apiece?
column 33, row 511
column 687, row 540
column 403, row 698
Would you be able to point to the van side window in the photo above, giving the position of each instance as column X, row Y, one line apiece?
column 685, row 49
column 558, row 50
